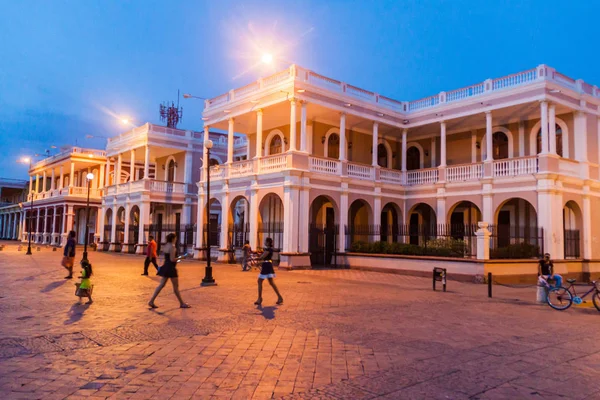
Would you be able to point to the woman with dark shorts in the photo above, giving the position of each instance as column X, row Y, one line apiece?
column 267, row 272
column 168, row 271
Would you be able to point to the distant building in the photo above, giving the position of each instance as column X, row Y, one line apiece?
column 12, row 193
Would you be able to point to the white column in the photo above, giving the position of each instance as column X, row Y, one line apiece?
column 101, row 177
column 374, row 160
column 489, row 141
column 309, row 134
column 37, row 220
column 144, row 220
column 146, row 162
column 61, row 179
column 343, row 137
column 14, row 228
column 343, row 218
column 31, row 177
column 54, row 221
column 293, row 138
column 124, row 249
column 113, row 228
column 377, row 207
column 52, row 181
column 290, row 218
column 304, row 218
column 72, row 176
column 70, row 215
column 552, row 127
column 404, row 134
column 224, row 222
column 487, row 209
column 303, row 138
column 473, row 147
column 544, row 123
column 101, row 217
column 187, row 171
column 259, row 133
column 587, row 225
column 580, row 135
column 230, row 141
column 37, row 183
column 118, row 169
column 433, row 152
column 441, row 206
column 44, row 183
column 200, row 215
column 253, row 218
column 521, row 138
column 131, row 165
column 443, row 144
column 107, row 176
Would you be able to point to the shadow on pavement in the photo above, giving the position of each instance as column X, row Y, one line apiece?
column 267, row 312
column 54, row 285
column 76, row 313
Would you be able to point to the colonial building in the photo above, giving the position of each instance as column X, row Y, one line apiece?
column 12, row 193
column 151, row 179
column 58, row 186
column 331, row 164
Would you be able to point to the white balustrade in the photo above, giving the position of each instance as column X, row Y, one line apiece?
column 324, row 82
column 241, row 168
column 163, row 186
column 360, row 93
column 564, row 80
column 464, row 93
column 217, row 172
column 390, row 103
column 325, row 166
column 421, row 177
column 424, row 103
column 360, row 171
column 514, row 79
column 515, row 167
column 462, row 173
column 390, row 176
column 273, row 163
column 276, row 78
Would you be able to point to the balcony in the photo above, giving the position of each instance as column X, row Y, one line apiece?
column 151, row 185
column 74, row 191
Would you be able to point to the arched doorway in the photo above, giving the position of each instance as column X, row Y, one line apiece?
column 389, row 223
column 108, row 221
column 171, row 171
column 413, row 158
column 215, row 218
column 214, row 162
column 500, row 145
column 360, row 227
column 270, row 223
column 382, row 156
column 134, row 228
column 333, row 146
column 422, row 224
column 323, row 231
column 120, row 228
column 559, row 141
column 238, row 224
column 515, row 233
column 572, row 230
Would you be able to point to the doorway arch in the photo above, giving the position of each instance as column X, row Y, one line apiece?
column 323, row 230
column 389, row 227
column 572, row 225
column 422, row 224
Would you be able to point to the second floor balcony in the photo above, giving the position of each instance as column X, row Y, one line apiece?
column 497, row 169
column 73, row 191
column 153, row 186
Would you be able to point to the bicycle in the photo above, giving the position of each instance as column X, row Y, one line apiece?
column 561, row 298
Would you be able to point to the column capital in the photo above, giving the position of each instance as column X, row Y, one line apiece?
column 343, row 114
column 404, row 131
column 375, row 124
column 544, row 101
column 443, row 122
column 231, row 120
column 488, row 112
column 259, row 111
column 292, row 100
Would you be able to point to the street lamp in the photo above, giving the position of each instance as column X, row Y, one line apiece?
column 89, row 177
column 27, row 160
column 190, row 96
column 208, row 279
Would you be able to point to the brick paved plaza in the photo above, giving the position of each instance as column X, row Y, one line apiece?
column 340, row 334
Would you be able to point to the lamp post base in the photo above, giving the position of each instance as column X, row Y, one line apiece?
column 28, row 251
column 213, row 283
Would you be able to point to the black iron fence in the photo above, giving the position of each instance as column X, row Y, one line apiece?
column 105, row 244
column 237, row 235
column 215, row 235
column 512, row 242
column 572, row 243
column 446, row 240
column 322, row 244
column 274, row 230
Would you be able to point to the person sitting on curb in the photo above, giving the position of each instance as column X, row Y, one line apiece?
column 546, row 271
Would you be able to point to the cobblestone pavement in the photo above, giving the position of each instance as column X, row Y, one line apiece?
column 340, row 334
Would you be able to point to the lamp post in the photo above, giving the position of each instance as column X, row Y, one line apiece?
column 208, row 279
column 27, row 160
column 89, row 177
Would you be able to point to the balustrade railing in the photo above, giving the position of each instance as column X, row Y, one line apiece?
column 391, row 176
column 515, row 79
column 217, row 172
column 421, row 177
column 463, row 93
column 165, row 187
column 515, row 167
column 325, row 166
column 273, row 163
column 462, row 173
column 241, row 168
column 360, row 171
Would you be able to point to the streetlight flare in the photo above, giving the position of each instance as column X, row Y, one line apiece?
column 25, row 160
column 125, row 121
column 267, row 58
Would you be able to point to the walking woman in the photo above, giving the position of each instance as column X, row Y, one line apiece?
column 168, row 271
column 69, row 255
column 267, row 272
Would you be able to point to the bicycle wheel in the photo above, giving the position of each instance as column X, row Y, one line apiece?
column 596, row 300
column 559, row 298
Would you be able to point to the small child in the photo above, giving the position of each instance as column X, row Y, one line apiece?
column 246, row 254
column 85, row 287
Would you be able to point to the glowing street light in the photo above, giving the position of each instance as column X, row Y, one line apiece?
column 125, row 121
column 267, row 58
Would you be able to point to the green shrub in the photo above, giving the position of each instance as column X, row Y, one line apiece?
column 517, row 250
column 446, row 247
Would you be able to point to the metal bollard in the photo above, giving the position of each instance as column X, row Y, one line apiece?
column 38, row 248
column 489, row 284
column 439, row 274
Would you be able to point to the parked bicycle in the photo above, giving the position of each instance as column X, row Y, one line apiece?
column 561, row 298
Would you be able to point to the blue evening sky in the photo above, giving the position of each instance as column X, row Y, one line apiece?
column 70, row 68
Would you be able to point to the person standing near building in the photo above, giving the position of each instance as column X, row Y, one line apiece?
column 246, row 253
column 150, row 255
column 169, row 271
column 267, row 272
column 69, row 254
